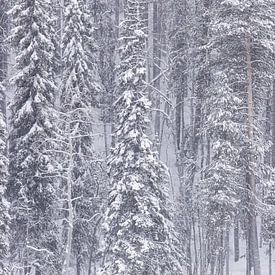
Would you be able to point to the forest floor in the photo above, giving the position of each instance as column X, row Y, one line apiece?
column 239, row 268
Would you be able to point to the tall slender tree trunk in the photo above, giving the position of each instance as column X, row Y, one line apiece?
column 270, row 258
column 227, row 260
column 236, row 241
column 62, row 7
column 248, row 252
column 157, row 64
column 272, row 158
column 117, row 17
column 273, row 122
column 90, row 261
column 70, row 219
column 252, row 227
column 196, row 262
column 118, row 8
column 78, row 266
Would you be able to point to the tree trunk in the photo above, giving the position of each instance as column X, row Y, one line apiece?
column 26, row 268
column 70, row 221
column 105, row 139
column 273, row 123
column 117, row 11
column 221, row 252
column 196, row 262
column 236, row 242
column 270, row 258
column 157, row 65
column 248, row 253
column 227, row 252
column 78, row 266
column 273, row 159
column 251, row 177
column 90, row 262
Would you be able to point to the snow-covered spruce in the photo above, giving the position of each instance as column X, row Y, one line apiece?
column 139, row 235
column 31, row 191
column 80, row 171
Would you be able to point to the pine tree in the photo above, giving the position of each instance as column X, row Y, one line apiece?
column 81, row 171
column 139, row 232
column 223, row 177
column 31, row 190
column 240, row 45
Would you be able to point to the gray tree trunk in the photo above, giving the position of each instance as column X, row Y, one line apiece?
column 227, row 268
column 236, row 242
column 251, row 177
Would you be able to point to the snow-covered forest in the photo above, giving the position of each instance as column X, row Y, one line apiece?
column 137, row 137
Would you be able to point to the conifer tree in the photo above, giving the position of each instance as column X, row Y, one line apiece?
column 139, row 235
column 222, row 175
column 31, row 190
column 80, row 170
column 223, row 181
column 240, row 45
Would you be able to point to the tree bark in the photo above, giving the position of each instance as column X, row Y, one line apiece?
column 70, row 221
column 236, row 242
column 227, row 252
column 157, row 64
column 273, row 123
column 270, row 258
column 78, row 266
column 251, row 177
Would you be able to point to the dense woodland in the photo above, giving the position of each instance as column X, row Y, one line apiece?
column 137, row 137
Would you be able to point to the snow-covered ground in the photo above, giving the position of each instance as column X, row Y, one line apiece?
column 239, row 268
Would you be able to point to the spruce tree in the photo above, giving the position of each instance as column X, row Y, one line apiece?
column 139, row 237
column 31, row 190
